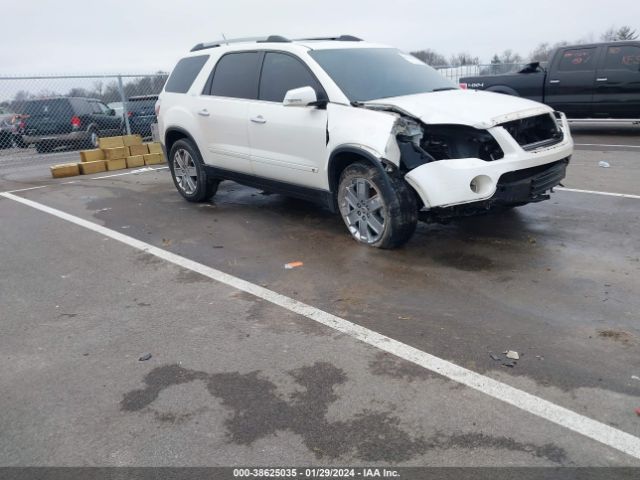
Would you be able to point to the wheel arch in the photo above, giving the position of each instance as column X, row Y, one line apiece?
column 342, row 157
column 173, row 134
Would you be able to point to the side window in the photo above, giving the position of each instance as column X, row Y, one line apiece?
column 236, row 75
column 281, row 73
column 622, row 58
column 577, row 60
column 184, row 73
column 95, row 108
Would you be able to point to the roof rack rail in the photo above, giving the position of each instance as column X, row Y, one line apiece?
column 217, row 43
column 340, row 38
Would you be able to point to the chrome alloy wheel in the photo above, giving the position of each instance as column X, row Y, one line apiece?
column 362, row 209
column 185, row 171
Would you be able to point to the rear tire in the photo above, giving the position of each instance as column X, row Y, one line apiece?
column 43, row 147
column 379, row 210
column 188, row 172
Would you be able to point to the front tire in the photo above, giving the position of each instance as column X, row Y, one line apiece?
column 379, row 210
column 188, row 172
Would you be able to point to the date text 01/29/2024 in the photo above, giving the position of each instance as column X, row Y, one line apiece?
column 315, row 473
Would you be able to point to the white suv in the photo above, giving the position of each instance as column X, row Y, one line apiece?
column 364, row 129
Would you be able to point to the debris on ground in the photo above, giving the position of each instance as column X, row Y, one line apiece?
column 290, row 265
column 513, row 355
column 218, row 246
column 603, row 164
column 145, row 357
column 509, row 363
column 532, row 240
column 494, row 357
column 635, row 377
column 166, row 242
column 404, row 318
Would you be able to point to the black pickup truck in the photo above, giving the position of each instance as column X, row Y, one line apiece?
column 584, row 81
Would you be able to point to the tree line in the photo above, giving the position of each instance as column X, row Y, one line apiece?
column 508, row 57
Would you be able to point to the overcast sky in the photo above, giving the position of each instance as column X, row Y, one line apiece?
column 41, row 36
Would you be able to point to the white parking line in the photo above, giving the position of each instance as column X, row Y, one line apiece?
column 595, row 192
column 139, row 170
column 564, row 417
column 25, row 189
column 604, row 145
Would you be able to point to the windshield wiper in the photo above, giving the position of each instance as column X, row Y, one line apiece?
column 442, row 89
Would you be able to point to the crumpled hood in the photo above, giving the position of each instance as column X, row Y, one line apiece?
column 464, row 107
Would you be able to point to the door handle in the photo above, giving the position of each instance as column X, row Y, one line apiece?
column 258, row 119
column 602, row 79
column 204, row 112
column 554, row 81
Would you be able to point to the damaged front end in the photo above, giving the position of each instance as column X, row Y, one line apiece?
column 460, row 170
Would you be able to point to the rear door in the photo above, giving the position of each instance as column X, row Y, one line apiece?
column 617, row 93
column 223, row 110
column 570, row 82
column 287, row 143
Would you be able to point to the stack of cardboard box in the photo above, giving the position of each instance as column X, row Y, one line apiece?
column 115, row 153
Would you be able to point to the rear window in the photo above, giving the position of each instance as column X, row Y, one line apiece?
column 146, row 106
column 48, row 108
column 236, row 75
column 184, row 73
column 577, row 60
column 622, row 58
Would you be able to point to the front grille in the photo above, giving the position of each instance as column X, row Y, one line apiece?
column 536, row 132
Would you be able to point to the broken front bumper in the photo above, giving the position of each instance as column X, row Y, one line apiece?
column 452, row 182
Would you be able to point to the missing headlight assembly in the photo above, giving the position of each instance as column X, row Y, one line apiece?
column 420, row 144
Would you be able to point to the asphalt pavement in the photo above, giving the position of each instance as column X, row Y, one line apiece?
column 251, row 379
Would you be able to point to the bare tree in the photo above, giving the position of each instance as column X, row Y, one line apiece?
column 431, row 57
column 542, row 52
column 613, row 34
column 463, row 58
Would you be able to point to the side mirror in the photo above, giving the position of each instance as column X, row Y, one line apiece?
column 300, row 97
column 111, row 112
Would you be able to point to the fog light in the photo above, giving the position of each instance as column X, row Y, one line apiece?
column 481, row 185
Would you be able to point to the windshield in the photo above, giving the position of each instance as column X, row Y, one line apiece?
column 365, row 74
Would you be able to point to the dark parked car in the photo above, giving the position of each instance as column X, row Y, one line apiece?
column 68, row 121
column 585, row 81
column 6, row 128
column 142, row 114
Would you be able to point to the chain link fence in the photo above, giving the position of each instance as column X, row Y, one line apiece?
column 456, row 73
column 63, row 113
column 42, row 114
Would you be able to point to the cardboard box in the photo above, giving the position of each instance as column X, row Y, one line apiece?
column 117, row 164
column 153, row 158
column 65, row 170
column 91, row 155
column 135, row 161
column 110, row 142
column 115, row 153
column 129, row 140
column 138, row 150
column 92, row 167
column 154, row 147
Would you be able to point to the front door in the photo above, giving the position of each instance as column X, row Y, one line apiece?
column 287, row 143
column 569, row 87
